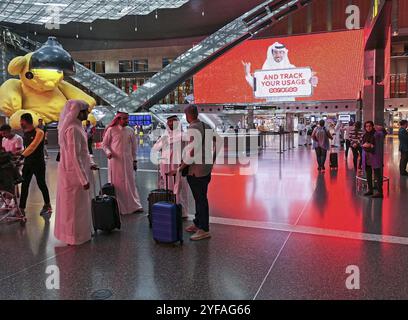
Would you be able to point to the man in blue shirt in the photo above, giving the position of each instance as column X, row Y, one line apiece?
column 403, row 139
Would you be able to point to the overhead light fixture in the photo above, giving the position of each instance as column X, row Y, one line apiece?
column 50, row 4
column 34, row 11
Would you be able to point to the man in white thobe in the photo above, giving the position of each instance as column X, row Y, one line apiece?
column 73, row 220
column 170, row 145
column 119, row 144
column 276, row 58
column 337, row 134
column 302, row 133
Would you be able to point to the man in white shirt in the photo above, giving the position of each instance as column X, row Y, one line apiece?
column 11, row 142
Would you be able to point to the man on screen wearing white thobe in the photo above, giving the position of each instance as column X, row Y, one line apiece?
column 119, row 144
column 276, row 58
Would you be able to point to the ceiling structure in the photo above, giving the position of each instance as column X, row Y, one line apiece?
column 66, row 11
column 195, row 18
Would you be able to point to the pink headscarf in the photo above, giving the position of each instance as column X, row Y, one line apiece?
column 114, row 122
column 69, row 117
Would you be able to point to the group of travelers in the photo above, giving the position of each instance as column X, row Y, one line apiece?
column 75, row 187
column 367, row 145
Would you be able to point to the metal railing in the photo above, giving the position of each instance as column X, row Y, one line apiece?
column 277, row 141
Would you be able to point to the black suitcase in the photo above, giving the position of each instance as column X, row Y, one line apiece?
column 334, row 160
column 108, row 189
column 159, row 195
column 105, row 212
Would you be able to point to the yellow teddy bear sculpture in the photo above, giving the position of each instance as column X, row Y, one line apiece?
column 40, row 91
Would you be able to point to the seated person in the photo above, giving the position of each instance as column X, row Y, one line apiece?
column 9, row 174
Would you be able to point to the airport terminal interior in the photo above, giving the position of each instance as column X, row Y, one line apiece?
column 263, row 76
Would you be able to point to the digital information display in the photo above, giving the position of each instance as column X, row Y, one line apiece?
column 334, row 58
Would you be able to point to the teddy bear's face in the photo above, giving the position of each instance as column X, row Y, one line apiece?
column 37, row 79
column 42, row 79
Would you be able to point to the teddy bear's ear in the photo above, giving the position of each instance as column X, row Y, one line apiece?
column 17, row 65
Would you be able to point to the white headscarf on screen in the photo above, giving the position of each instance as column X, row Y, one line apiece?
column 271, row 64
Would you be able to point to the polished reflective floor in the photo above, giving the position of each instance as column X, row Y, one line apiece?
column 286, row 232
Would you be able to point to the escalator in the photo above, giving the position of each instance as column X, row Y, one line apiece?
column 189, row 63
column 181, row 69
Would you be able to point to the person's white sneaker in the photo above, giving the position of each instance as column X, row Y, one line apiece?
column 200, row 235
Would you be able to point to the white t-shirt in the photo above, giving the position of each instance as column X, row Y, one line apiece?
column 14, row 144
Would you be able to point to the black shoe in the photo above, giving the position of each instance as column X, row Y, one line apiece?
column 368, row 194
column 46, row 210
column 405, row 174
column 378, row 196
column 18, row 181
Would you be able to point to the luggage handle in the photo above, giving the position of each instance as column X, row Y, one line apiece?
column 100, row 182
column 167, row 181
column 167, row 186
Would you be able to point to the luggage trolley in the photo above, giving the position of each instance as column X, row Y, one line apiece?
column 9, row 195
column 361, row 183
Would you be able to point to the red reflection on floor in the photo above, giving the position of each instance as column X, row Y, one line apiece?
column 290, row 188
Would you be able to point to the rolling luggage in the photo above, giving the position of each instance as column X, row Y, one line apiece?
column 105, row 211
column 167, row 222
column 334, row 160
column 158, row 195
column 166, row 218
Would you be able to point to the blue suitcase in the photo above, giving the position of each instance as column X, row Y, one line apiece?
column 167, row 222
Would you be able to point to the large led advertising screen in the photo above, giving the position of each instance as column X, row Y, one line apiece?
column 260, row 70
